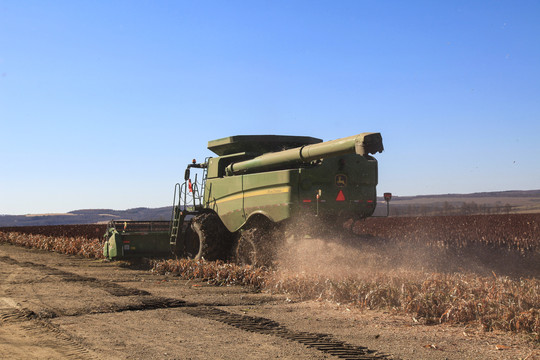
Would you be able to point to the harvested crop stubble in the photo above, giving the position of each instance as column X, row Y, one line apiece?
column 88, row 248
column 493, row 302
column 214, row 272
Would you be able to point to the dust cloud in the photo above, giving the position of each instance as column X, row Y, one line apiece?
column 341, row 258
column 365, row 257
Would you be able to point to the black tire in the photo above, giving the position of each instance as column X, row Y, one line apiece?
column 207, row 238
column 192, row 243
column 256, row 245
column 246, row 249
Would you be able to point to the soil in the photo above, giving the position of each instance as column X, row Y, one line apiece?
column 55, row 306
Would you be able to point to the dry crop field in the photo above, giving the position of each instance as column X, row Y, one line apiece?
column 91, row 231
column 483, row 271
column 513, row 231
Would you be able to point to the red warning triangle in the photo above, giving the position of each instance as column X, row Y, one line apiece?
column 340, row 196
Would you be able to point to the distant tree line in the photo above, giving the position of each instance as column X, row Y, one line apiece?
column 446, row 208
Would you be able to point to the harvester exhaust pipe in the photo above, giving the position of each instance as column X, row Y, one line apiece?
column 361, row 144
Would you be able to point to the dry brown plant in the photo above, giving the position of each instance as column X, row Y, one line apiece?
column 376, row 275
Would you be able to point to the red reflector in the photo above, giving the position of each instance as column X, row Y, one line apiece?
column 126, row 241
column 340, row 196
column 370, row 201
column 306, row 201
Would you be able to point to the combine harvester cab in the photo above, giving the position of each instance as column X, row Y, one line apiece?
column 128, row 239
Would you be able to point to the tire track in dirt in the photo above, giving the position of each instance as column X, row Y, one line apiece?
column 52, row 341
column 112, row 288
column 25, row 336
column 37, row 327
column 145, row 301
column 322, row 342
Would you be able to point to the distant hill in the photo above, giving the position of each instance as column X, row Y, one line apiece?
column 87, row 216
column 498, row 202
column 516, row 201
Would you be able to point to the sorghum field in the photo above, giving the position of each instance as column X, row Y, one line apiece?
column 481, row 270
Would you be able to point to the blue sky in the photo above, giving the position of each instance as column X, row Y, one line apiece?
column 103, row 103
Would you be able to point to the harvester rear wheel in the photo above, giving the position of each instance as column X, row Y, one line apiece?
column 256, row 245
column 207, row 237
column 245, row 250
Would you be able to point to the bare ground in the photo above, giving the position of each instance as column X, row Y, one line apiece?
column 55, row 306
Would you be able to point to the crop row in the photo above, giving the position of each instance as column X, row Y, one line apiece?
column 89, row 231
column 514, row 231
column 81, row 246
column 493, row 302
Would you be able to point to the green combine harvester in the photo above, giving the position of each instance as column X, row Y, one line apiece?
column 257, row 193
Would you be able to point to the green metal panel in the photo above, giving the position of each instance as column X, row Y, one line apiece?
column 347, row 187
column 144, row 244
column 225, row 197
column 133, row 238
column 270, row 193
column 236, row 198
column 113, row 246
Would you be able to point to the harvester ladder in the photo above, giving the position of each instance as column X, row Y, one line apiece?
column 176, row 214
column 187, row 200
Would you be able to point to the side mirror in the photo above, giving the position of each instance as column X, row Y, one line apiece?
column 186, row 174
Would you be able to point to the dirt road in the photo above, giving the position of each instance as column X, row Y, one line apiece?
column 55, row 306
